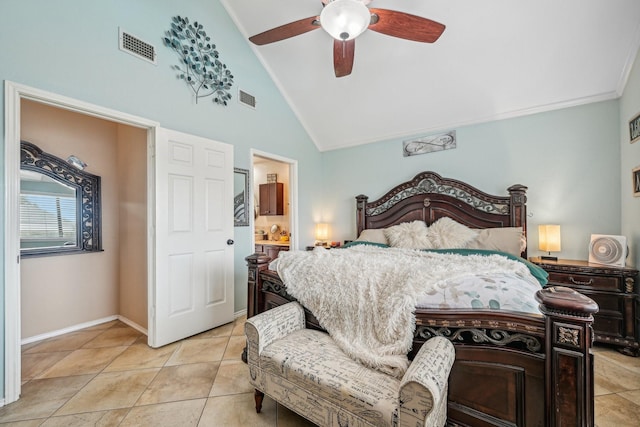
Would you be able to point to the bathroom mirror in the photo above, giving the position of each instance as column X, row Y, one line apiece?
column 59, row 205
column 240, row 197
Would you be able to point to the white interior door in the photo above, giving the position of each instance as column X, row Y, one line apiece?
column 193, row 232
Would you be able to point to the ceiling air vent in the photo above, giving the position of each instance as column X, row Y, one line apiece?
column 136, row 47
column 247, row 99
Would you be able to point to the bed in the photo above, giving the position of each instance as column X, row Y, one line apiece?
column 512, row 368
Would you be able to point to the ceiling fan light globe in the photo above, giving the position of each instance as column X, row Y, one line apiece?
column 345, row 19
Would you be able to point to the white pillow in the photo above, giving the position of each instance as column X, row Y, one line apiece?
column 505, row 239
column 410, row 235
column 446, row 233
column 373, row 235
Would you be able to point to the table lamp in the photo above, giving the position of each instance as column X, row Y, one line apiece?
column 549, row 240
column 322, row 234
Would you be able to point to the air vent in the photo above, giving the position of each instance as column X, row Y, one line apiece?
column 247, row 99
column 136, row 47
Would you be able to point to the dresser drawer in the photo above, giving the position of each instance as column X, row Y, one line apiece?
column 608, row 304
column 586, row 281
column 606, row 325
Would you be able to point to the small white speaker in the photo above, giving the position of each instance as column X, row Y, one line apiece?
column 608, row 250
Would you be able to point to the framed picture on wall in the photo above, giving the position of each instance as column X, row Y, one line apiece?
column 634, row 129
column 429, row 144
column 635, row 174
column 240, row 197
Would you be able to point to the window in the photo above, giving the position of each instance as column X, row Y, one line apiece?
column 47, row 212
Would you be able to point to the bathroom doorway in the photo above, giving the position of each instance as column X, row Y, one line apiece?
column 274, row 202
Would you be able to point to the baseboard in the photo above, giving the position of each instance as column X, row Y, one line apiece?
column 63, row 331
column 133, row 324
column 84, row 325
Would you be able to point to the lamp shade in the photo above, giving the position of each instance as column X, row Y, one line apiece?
column 322, row 231
column 549, row 238
column 345, row 19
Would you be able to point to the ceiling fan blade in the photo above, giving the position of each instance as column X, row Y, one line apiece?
column 405, row 26
column 286, row 31
column 343, row 52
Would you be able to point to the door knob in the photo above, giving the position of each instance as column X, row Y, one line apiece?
column 230, row 242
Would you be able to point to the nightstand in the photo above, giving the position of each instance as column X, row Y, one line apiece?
column 616, row 290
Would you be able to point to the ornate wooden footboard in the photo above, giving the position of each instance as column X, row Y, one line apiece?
column 511, row 369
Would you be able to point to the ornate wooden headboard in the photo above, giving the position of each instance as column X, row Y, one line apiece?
column 428, row 196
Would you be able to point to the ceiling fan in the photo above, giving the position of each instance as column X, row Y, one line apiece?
column 345, row 20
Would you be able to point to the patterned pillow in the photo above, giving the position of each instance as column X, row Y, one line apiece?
column 446, row 233
column 410, row 235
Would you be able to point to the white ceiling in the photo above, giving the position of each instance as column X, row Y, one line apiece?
column 496, row 59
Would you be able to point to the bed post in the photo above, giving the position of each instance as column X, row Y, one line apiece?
column 569, row 362
column 361, row 202
column 257, row 262
column 518, row 204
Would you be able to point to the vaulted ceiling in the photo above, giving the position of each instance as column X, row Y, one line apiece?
column 496, row 59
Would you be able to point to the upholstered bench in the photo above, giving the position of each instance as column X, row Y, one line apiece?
column 304, row 370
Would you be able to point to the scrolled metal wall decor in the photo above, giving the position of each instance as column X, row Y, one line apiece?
column 199, row 65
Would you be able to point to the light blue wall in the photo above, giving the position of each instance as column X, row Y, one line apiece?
column 569, row 159
column 629, row 108
column 70, row 47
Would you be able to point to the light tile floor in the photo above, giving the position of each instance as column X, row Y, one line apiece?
column 107, row 376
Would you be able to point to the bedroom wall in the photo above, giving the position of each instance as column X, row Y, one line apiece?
column 630, row 159
column 569, row 159
column 70, row 47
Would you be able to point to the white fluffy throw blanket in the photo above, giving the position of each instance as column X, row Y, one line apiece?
column 364, row 296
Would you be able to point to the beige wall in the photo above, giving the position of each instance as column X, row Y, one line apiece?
column 63, row 291
column 132, row 212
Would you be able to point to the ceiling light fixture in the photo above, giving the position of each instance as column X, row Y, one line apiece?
column 345, row 19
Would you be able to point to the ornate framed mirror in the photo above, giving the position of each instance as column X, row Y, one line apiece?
column 59, row 205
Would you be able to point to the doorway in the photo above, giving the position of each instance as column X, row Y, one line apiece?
column 15, row 96
column 114, row 280
column 165, row 213
column 274, row 230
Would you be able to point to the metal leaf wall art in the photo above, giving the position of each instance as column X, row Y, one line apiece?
column 199, row 65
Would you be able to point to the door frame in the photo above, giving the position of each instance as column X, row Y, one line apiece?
column 293, row 193
column 13, row 94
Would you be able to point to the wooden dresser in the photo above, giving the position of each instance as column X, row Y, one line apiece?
column 616, row 290
column 271, row 248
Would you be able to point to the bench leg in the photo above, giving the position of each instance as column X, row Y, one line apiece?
column 258, row 395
